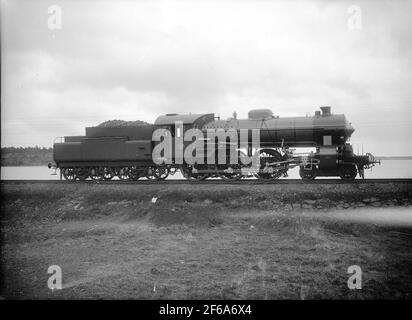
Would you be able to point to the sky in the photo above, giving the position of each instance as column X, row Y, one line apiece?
column 136, row 60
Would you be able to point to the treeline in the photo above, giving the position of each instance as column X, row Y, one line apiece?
column 30, row 156
column 36, row 156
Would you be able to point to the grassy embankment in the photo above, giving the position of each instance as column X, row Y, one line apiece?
column 212, row 242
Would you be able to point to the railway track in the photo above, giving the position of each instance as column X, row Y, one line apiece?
column 212, row 181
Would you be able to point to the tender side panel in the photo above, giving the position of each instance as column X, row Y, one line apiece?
column 138, row 150
column 103, row 149
column 68, row 151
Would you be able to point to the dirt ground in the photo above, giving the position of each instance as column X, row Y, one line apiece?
column 206, row 241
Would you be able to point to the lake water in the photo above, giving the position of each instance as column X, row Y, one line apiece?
column 387, row 169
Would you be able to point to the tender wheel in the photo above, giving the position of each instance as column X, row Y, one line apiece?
column 191, row 172
column 108, row 173
column 123, row 173
column 82, row 173
column 137, row 172
column 308, row 172
column 270, row 172
column 97, row 174
column 348, row 172
column 69, row 174
column 157, row 173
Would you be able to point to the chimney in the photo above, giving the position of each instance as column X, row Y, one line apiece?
column 325, row 111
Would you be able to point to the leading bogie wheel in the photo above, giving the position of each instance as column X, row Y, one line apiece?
column 348, row 172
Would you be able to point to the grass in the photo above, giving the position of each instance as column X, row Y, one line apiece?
column 201, row 242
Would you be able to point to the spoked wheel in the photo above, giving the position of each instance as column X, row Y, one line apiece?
column 229, row 172
column 123, row 173
column 69, row 174
column 82, row 173
column 108, row 173
column 97, row 173
column 191, row 172
column 137, row 172
column 157, row 173
column 308, row 172
column 348, row 172
column 266, row 171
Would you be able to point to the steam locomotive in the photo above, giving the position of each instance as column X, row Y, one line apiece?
column 128, row 152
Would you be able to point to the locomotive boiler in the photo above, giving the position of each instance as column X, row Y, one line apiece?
column 127, row 152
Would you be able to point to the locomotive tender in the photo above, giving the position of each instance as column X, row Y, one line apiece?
column 127, row 152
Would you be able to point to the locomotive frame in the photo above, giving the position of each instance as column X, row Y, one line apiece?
column 127, row 152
